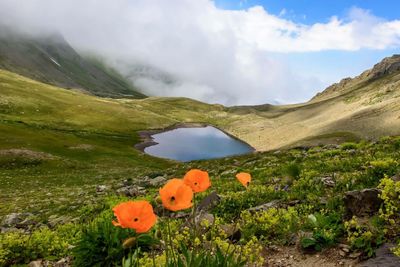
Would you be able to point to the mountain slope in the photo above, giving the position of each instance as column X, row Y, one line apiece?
column 367, row 106
column 52, row 60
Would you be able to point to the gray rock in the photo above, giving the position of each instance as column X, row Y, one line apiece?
column 266, row 206
column 12, row 219
column 362, row 202
column 231, row 231
column 15, row 218
column 328, row 181
column 355, row 255
column 64, row 262
column 209, row 202
column 101, row 188
column 54, row 220
column 158, row 181
column 384, row 257
column 131, row 191
column 204, row 218
column 37, row 263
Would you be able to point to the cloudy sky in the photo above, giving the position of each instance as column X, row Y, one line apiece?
column 229, row 52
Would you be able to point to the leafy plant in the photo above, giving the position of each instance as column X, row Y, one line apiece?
column 101, row 243
column 364, row 237
column 16, row 247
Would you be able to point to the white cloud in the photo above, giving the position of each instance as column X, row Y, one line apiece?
column 223, row 56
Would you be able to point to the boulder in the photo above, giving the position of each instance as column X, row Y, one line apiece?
column 362, row 202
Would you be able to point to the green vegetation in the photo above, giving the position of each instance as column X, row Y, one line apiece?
column 57, row 146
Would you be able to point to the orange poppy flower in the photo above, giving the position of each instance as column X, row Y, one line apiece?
column 198, row 180
column 244, row 178
column 176, row 195
column 137, row 215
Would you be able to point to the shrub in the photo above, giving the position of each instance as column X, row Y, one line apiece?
column 380, row 168
column 364, row 237
column 270, row 225
column 234, row 202
column 390, row 211
column 18, row 247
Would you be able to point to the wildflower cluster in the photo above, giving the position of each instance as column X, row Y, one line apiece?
column 205, row 241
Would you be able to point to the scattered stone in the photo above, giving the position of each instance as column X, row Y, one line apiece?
column 26, row 223
column 209, row 202
column 266, row 206
column 101, row 188
column 323, row 200
column 38, row 263
column 54, row 220
column 15, row 218
column 355, row 255
column 362, row 202
column 204, row 217
column 229, row 172
column 232, row 232
column 328, row 181
column 342, row 253
column 4, row 230
column 64, row 262
column 158, row 181
column 345, row 248
column 293, row 202
column 12, row 219
column 131, row 191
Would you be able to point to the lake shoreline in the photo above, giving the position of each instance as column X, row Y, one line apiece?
column 146, row 139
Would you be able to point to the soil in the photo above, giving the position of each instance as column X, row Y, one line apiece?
column 292, row 257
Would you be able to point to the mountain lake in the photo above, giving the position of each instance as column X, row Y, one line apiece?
column 187, row 144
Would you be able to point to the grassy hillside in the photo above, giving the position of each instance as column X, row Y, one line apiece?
column 367, row 106
column 85, row 140
column 58, row 146
column 50, row 59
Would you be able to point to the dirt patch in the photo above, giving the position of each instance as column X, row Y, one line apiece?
column 26, row 153
column 292, row 257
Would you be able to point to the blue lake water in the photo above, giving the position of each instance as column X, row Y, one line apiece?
column 186, row 144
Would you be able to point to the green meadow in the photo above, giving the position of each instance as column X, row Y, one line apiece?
column 58, row 146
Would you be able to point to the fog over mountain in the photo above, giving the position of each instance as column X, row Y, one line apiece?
column 192, row 48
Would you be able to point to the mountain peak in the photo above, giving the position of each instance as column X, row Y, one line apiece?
column 387, row 66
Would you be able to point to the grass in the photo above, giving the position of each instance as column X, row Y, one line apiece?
column 57, row 145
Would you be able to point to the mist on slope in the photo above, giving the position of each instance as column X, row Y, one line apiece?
column 191, row 48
